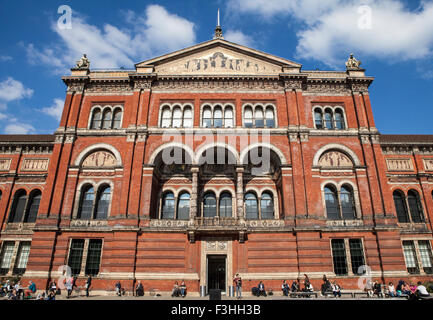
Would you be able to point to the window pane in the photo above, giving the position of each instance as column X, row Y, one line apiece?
column 117, row 118
column 251, row 209
column 415, row 206
column 76, row 255
column 356, row 254
column 33, row 207
column 331, row 204
column 339, row 120
column 228, row 118
column 339, row 256
column 248, row 117
column 86, row 207
column 270, row 119
column 103, row 203
column 106, row 122
column 187, row 118
column 426, row 256
column 183, row 207
column 207, row 117
column 209, row 205
column 97, row 119
column 218, row 118
column 226, row 205
column 22, row 258
column 6, row 257
column 410, row 257
column 328, row 120
column 168, row 206
column 259, row 117
column 18, row 207
column 318, row 119
column 400, row 207
column 267, row 206
column 166, row 118
column 177, row 118
column 93, row 256
column 347, row 203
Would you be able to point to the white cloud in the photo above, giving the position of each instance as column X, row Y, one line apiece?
column 239, row 37
column 157, row 32
column 329, row 29
column 55, row 110
column 19, row 128
column 11, row 89
column 5, row 58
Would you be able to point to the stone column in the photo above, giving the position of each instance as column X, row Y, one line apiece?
column 194, row 193
column 240, row 195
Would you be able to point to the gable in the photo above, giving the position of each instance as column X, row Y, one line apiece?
column 217, row 57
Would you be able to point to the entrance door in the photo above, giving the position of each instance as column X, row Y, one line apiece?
column 216, row 272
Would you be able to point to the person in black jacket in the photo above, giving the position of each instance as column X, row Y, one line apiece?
column 261, row 289
column 88, row 284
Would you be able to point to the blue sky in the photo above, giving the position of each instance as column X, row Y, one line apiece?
column 392, row 38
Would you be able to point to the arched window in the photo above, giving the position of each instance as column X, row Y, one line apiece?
column 328, row 119
column 248, row 117
column 209, row 205
column 96, row 119
column 187, row 117
column 18, row 206
column 331, row 200
column 270, row 118
column 183, row 206
column 86, row 205
column 400, row 206
column 33, row 206
column 415, row 206
column 225, row 205
column 207, row 117
column 106, row 121
column 318, row 120
column 218, row 117
column 166, row 118
column 168, row 206
column 347, row 203
column 103, row 202
column 251, row 209
column 228, row 117
column 259, row 117
column 339, row 120
column 177, row 117
column 267, row 206
column 117, row 118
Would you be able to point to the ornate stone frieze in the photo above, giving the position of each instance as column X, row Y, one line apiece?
column 394, row 150
column 216, row 245
column 100, row 159
column 142, row 84
column 35, row 165
column 109, row 86
column 168, row 223
column 88, row 223
column 70, row 138
column 344, row 223
column 265, row 223
column 327, row 87
column 97, row 173
column 5, row 164
column 335, row 159
column 428, row 164
column 8, row 149
column 426, row 150
column 399, row 164
column 217, row 84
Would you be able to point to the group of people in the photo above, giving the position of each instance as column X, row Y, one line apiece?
column 414, row 292
column 179, row 290
column 17, row 291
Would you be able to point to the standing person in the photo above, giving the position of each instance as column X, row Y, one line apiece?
column 88, row 284
column 238, row 285
column 68, row 286
column 139, row 290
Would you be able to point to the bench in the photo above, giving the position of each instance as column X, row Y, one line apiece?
column 302, row 294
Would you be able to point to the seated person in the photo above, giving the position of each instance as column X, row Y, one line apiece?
column 41, row 296
column 391, row 290
column 183, row 289
column 261, row 289
column 295, row 286
column 326, row 286
column 118, row 288
column 421, row 291
column 176, row 290
column 406, row 289
column 308, row 287
column 31, row 289
column 336, row 289
column 285, row 288
column 377, row 288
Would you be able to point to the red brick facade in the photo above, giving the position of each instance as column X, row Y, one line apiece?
column 139, row 245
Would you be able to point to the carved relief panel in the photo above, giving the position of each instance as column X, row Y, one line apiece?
column 35, row 165
column 428, row 164
column 399, row 164
column 100, row 159
column 5, row 164
column 335, row 159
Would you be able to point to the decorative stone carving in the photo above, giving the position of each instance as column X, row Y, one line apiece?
column 168, row 223
column 344, row 223
column 397, row 150
column 5, row 164
column 428, row 164
column 88, row 223
column 399, row 164
column 352, row 63
column 100, row 159
column 265, row 223
column 35, row 165
column 216, row 245
column 335, row 159
column 83, row 63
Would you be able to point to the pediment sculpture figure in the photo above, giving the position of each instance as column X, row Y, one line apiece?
column 352, row 63
column 84, row 62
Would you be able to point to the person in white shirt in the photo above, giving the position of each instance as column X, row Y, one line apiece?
column 391, row 290
column 421, row 291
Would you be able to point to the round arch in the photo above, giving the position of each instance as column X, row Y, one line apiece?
column 202, row 149
column 95, row 147
column 155, row 153
column 244, row 152
column 337, row 147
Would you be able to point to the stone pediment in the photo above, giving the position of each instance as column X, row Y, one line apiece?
column 218, row 57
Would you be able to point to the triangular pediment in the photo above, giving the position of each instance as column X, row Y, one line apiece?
column 217, row 57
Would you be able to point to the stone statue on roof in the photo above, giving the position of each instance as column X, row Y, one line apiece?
column 352, row 63
column 83, row 63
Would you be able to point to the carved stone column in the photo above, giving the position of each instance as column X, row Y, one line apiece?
column 194, row 193
column 240, row 195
